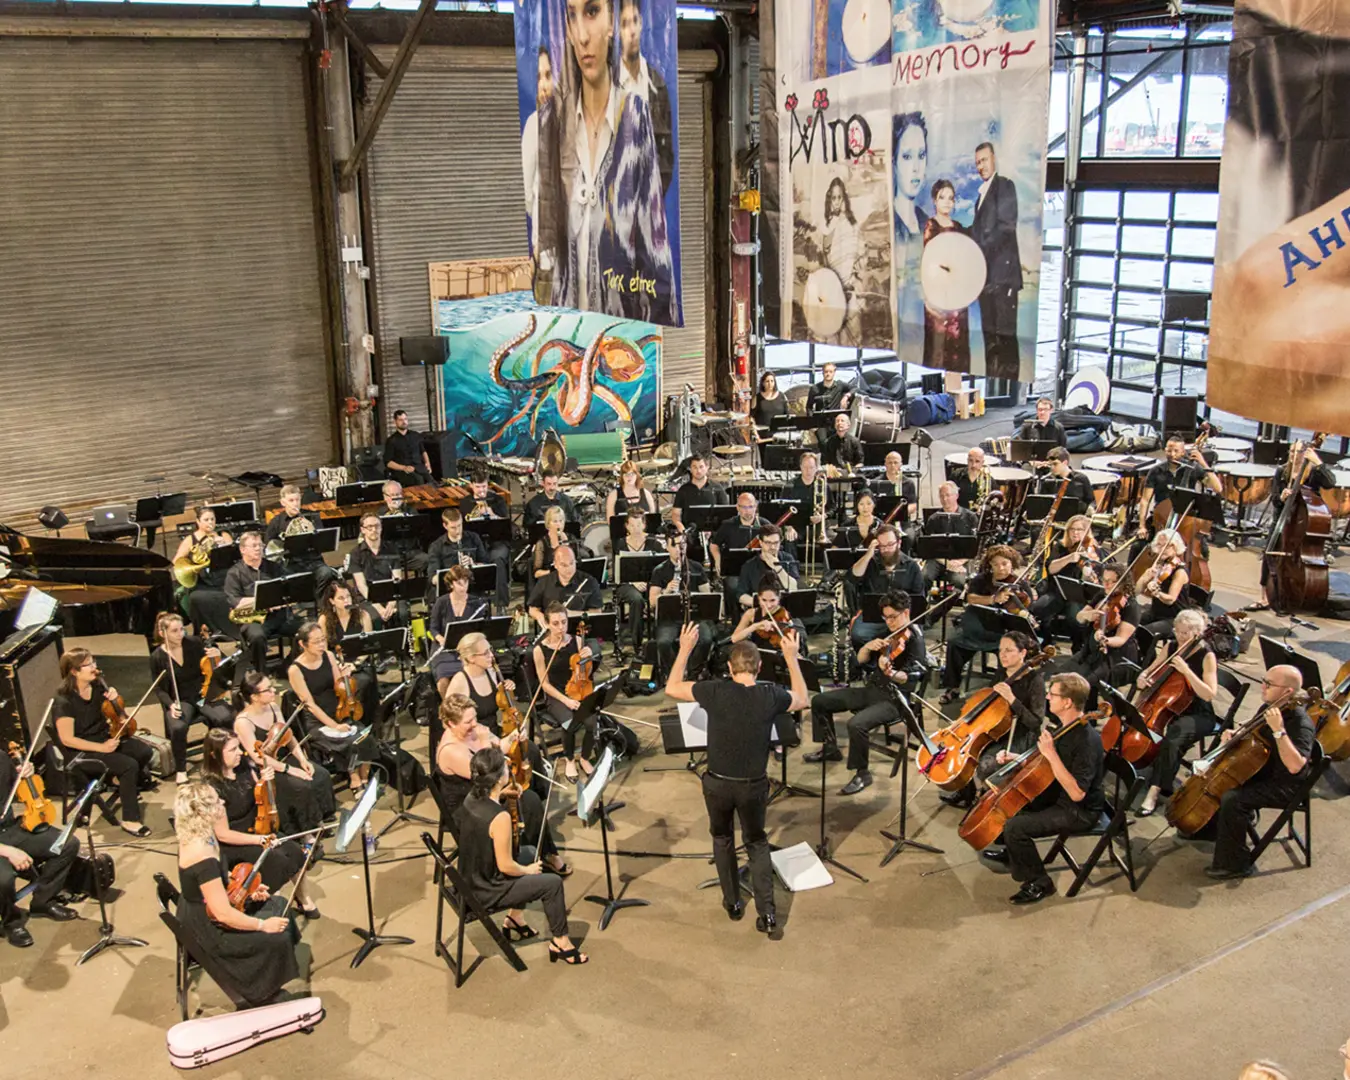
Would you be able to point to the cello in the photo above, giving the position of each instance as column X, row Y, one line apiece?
column 1164, row 694
column 984, row 717
column 1296, row 558
column 1332, row 717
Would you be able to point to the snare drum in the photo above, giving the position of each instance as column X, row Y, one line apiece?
column 877, row 421
column 1338, row 498
column 1013, row 482
column 1104, row 488
column 1248, row 484
column 595, row 540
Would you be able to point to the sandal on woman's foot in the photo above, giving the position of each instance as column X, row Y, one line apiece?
column 586, row 766
column 572, row 956
column 141, row 831
column 310, row 913
column 1148, row 806
column 562, row 869
column 1260, row 605
column 518, row 931
column 948, row 696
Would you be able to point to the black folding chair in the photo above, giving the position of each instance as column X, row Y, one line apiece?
column 1283, row 828
column 190, row 953
column 445, row 824
column 1113, row 826
column 73, row 782
column 452, row 889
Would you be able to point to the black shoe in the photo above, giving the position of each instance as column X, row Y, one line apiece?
column 1220, row 873
column 963, row 798
column 995, row 853
column 860, row 780
column 948, row 696
column 1033, row 892
column 736, row 911
column 766, row 924
column 18, row 936
column 825, row 753
column 53, row 910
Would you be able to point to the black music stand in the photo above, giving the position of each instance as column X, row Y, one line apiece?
column 913, row 730
column 636, row 568
column 597, row 567
column 354, row 824
column 374, row 643
column 242, row 512
column 995, row 622
column 392, row 590
column 482, row 579
column 359, row 493
column 1199, row 504
column 703, row 607
column 223, row 557
column 734, row 560
column 591, row 805
column 313, row 545
column 496, row 628
column 1036, row 507
column 1077, row 591
column 600, row 625
column 801, row 604
column 883, row 505
column 108, row 937
column 784, row 458
column 279, row 592
column 1020, row 450
column 792, row 512
column 1129, row 717
column 492, row 530
column 842, row 558
column 708, row 518
column 151, row 511
column 593, row 704
column 1277, row 652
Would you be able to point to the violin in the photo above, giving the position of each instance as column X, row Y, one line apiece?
column 245, row 883
column 266, row 820
column 782, row 618
column 579, row 684
column 1027, row 776
column 349, row 707
column 1150, row 581
column 37, row 808
column 984, row 717
column 516, row 758
column 208, row 669
column 1018, row 600
column 114, row 709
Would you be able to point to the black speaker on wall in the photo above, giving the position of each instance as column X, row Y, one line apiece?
column 431, row 350
column 442, row 453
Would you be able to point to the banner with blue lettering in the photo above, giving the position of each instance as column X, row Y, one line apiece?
column 911, row 159
column 1280, row 317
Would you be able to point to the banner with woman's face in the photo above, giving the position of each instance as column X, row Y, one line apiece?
column 600, row 154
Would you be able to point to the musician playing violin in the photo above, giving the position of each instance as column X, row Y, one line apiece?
column 304, row 789
column 1074, row 801
column 1102, row 651
column 225, row 768
column 766, row 619
column 179, row 659
column 313, row 676
column 479, row 681
column 896, row 657
column 1069, row 557
column 1193, row 658
column 1164, row 584
column 29, row 855
column 339, row 618
column 999, row 567
column 1293, row 733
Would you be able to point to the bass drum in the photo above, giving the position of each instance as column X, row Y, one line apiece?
column 877, row 421
column 595, row 542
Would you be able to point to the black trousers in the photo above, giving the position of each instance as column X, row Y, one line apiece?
column 998, row 318
column 632, row 597
column 746, row 800
column 667, row 638
column 49, row 870
column 129, row 765
column 501, row 555
column 562, row 716
column 871, row 708
column 1237, row 809
column 1181, row 734
column 215, row 714
column 1022, row 831
column 253, row 638
column 208, row 607
column 304, row 804
column 1049, row 606
column 546, row 888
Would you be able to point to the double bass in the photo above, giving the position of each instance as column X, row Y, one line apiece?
column 1296, row 558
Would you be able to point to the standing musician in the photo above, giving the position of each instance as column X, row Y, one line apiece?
column 405, row 459
column 1102, row 654
column 772, row 564
column 698, row 490
column 628, row 492
column 239, row 585
column 826, row 396
column 371, row 561
column 1043, row 428
column 231, row 773
column 1068, row 557
column 899, row 661
column 555, row 535
column 812, row 493
column 179, row 658
column 456, row 548
column 291, row 520
column 486, row 505
column 1316, row 476
column 29, row 855
column 884, row 568
column 82, row 730
column 1293, row 733
column 666, row 579
column 304, row 789
column 989, row 587
column 975, row 483
column 206, row 603
column 1164, row 584
column 257, row 952
column 842, row 450
column 950, row 518
column 768, row 403
column 490, row 868
column 314, row 676
column 565, row 585
column 1074, row 801
column 553, row 664
column 456, row 605
column 736, row 533
column 1079, row 486
column 1178, row 470
column 1193, row 658
column 549, row 495
column 634, row 597
column 741, row 715
column 863, row 529
column 339, row 618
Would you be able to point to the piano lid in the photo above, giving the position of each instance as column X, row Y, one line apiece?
column 44, row 554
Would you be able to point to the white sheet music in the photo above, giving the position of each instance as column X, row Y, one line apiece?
column 694, row 726
column 799, row 868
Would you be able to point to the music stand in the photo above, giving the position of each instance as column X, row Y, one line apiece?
column 913, row 730
column 1197, row 503
column 315, row 545
column 882, row 505
column 703, row 607
column 709, row 518
column 800, row 604
column 354, row 822
column 636, row 568
column 780, row 457
column 492, row 530
column 941, row 546
column 392, row 590
column 1036, row 507
column 359, row 493
column 590, row 807
column 155, row 508
column 108, row 937
column 875, row 454
column 242, row 512
column 734, row 560
column 1077, row 591
column 597, row 567
column 223, row 557
column 791, row 509
column 482, row 579
column 1020, row 450
column 374, row 643
column 842, row 558
column 1277, row 652
column 1129, row 717
column 995, row 622
column 407, row 691
column 496, row 628
column 601, row 625
column 279, row 592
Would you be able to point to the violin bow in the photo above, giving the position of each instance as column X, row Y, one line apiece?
column 27, row 757
column 309, row 861
column 137, row 709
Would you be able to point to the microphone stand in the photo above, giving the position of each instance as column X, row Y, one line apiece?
column 107, row 934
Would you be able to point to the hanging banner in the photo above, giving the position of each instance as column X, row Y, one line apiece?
column 600, row 154
column 1280, row 318
column 911, row 159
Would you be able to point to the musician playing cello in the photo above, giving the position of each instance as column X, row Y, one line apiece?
column 1292, row 731
column 1074, row 801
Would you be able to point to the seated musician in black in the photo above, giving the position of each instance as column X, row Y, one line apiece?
column 860, row 532
column 842, row 450
column 974, row 483
column 999, row 568
column 548, row 495
column 372, row 560
column 405, row 459
column 734, row 533
column 206, row 603
column 1043, row 428
column 291, row 520
column 1079, row 484
column 698, row 490
column 1193, row 658
column 179, row 659
column 1074, row 801
column 902, row 664
column 341, row 619
column 553, row 665
column 666, row 581
column 812, row 493
column 313, row 677
column 771, row 564
column 826, row 396
column 1316, row 477
column 486, row 505
column 884, row 568
column 630, row 491
column 633, row 595
column 86, row 739
column 455, row 605
column 1103, row 654
column 765, row 618
column 239, row 588
column 555, row 536
column 950, row 519
column 29, row 855
column 574, row 589
column 455, row 548
column 1275, row 784
column 1065, row 559
column 894, row 482
column 1164, row 584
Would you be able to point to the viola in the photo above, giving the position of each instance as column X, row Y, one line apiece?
column 984, row 717
column 516, row 758
column 208, row 669
column 349, row 707
column 781, row 617
column 579, row 684
column 1027, row 777
column 245, row 884
column 32, row 794
column 114, row 709
column 265, row 820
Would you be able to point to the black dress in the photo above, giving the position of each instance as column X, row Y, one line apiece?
column 765, row 409
column 259, row 964
column 301, row 804
column 323, row 689
column 283, row 860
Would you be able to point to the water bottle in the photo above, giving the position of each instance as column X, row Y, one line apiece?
column 368, row 833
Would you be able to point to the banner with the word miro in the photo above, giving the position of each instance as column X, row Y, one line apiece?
column 599, row 149
column 1280, row 317
column 911, row 166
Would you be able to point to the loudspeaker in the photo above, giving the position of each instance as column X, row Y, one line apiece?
column 1179, row 414
column 441, row 451
column 429, row 351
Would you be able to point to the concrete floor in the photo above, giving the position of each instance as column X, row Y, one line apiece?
column 923, row 971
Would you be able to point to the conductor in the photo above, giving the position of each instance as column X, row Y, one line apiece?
column 741, row 714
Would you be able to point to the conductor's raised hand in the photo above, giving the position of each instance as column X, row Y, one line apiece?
column 789, row 641
column 688, row 637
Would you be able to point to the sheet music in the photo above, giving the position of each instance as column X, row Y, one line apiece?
column 800, row 868
column 694, row 726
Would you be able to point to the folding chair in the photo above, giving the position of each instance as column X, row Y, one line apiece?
column 1283, row 828
column 1112, row 826
column 453, row 890
column 73, row 783
column 445, row 824
column 190, row 953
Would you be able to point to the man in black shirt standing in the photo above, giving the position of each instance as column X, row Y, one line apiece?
column 841, row 449
column 741, row 714
column 549, row 495
column 1074, row 801
column 666, row 579
column 1293, row 733
column 697, row 491
column 1043, row 429
column 30, row 854
column 575, row 589
column 404, row 458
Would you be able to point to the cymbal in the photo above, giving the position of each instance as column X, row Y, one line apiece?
column 731, row 451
